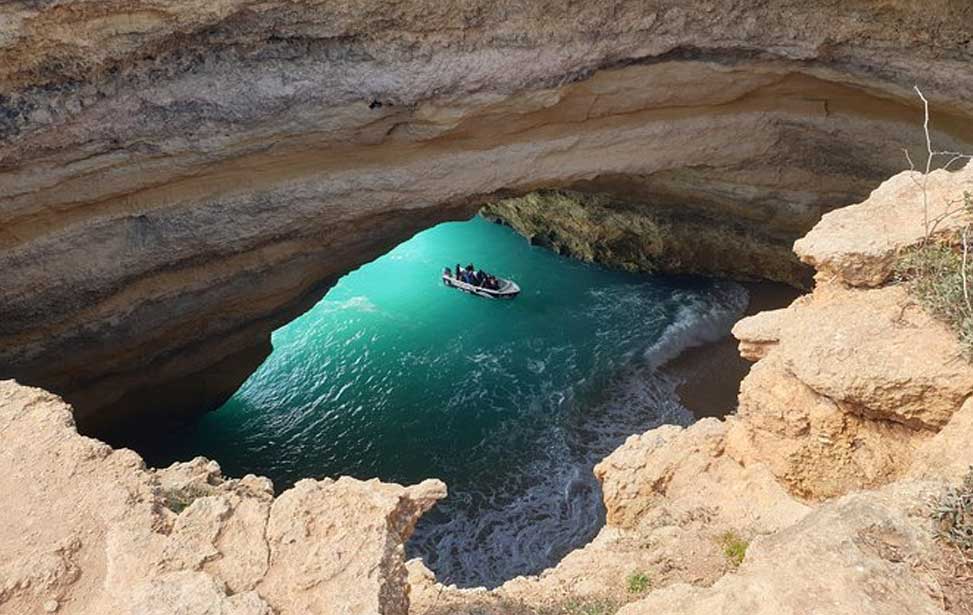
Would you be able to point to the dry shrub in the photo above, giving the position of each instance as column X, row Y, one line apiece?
column 953, row 514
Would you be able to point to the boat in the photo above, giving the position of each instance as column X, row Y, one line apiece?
column 508, row 288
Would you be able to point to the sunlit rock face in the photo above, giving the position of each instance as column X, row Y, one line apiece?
column 179, row 178
column 90, row 530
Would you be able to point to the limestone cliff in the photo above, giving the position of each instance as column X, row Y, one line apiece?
column 856, row 415
column 178, row 178
column 856, row 391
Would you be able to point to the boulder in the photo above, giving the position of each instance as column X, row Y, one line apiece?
column 680, row 471
column 816, row 449
column 875, row 353
column 858, row 244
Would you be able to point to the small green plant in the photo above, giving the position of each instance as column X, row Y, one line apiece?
column 734, row 547
column 953, row 514
column 638, row 583
column 936, row 273
column 589, row 606
column 178, row 500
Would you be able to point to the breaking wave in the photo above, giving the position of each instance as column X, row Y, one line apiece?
column 553, row 504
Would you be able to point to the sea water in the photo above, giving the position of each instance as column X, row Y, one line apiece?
column 510, row 402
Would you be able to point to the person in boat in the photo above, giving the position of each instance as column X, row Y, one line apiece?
column 459, row 272
column 447, row 272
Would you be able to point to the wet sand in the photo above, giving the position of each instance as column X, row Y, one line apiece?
column 711, row 373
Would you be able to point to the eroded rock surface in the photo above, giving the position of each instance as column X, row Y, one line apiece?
column 854, row 391
column 851, row 381
column 853, row 420
column 858, row 245
column 876, row 352
column 860, row 555
column 848, row 383
column 178, row 179
column 686, row 469
column 946, row 455
column 855, row 416
column 91, row 530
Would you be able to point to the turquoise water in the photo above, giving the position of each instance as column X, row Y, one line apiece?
column 393, row 375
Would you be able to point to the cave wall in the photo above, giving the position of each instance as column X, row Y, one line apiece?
column 180, row 178
column 647, row 237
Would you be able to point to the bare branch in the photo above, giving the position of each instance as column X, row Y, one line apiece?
column 955, row 158
column 929, row 157
column 966, row 285
column 925, row 123
column 912, row 165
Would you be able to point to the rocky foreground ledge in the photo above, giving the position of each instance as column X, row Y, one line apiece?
column 855, row 418
column 87, row 529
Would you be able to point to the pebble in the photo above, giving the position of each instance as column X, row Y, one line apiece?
column 51, row 606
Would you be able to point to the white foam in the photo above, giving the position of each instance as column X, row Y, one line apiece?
column 554, row 504
column 359, row 304
column 699, row 323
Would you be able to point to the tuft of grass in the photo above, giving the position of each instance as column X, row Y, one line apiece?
column 178, row 500
column 638, row 583
column 934, row 274
column 590, row 606
column 734, row 547
column 953, row 514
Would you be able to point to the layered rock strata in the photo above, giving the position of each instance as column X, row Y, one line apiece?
column 854, row 419
column 177, row 178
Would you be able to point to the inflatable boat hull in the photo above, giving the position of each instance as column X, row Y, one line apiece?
column 508, row 288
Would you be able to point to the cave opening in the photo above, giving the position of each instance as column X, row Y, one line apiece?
column 395, row 376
